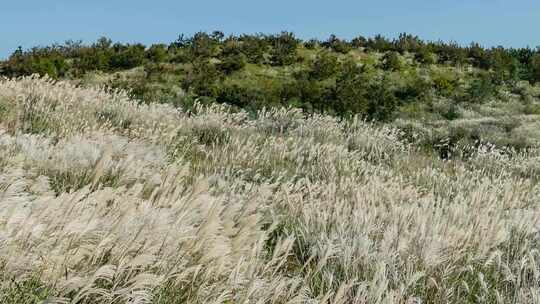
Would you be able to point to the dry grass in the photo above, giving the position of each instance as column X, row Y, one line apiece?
column 107, row 201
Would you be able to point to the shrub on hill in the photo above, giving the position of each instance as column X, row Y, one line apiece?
column 284, row 48
column 200, row 44
column 391, row 61
column 337, row 45
column 312, row 44
column 127, row 56
column 325, row 65
column 425, row 56
column 289, row 72
column 232, row 58
column 42, row 61
column 309, row 94
column 232, row 63
column 535, row 68
column 202, row 79
column 242, row 97
column 408, row 43
column 358, row 92
column 157, row 53
column 254, row 47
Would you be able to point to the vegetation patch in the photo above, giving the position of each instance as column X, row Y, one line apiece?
column 279, row 171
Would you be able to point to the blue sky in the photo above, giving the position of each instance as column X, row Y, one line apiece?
column 494, row 22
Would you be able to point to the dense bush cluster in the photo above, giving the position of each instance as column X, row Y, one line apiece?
column 374, row 77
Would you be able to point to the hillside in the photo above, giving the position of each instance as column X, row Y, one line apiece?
column 452, row 96
column 109, row 200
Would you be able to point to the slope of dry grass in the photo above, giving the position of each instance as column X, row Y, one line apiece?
column 107, row 201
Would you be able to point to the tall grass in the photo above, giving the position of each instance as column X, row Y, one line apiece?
column 104, row 200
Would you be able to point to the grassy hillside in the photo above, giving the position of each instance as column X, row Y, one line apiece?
column 108, row 200
column 453, row 96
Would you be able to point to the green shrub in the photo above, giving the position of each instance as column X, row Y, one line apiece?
column 92, row 59
column 424, row 56
column 357, row 92
column 359, row 42
column 254, row 47
column 43, row 61
column 232, row 63
column 504, row 66
column 157, row 53
column 312, row 44
column 283, row 50
column 445, row 83
column 535, row 68
column 337, row 45
column 31, row 290
column 478, row 56
column 202, row 79
column 416, row 88
column 201, row 45
column 248, row 98
column 325, row 65
column 449, row 112
column 307, row 93
column 480, row 88
column 3, row 109
column 127, row 56
column 379, row 43
column 391, row 61
column 450, row 53
column 408, row 43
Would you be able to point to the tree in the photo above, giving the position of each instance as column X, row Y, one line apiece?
column 337, row 45
column 157, row 53
column 379, row 43
column 217, row 36
column 359, row 42
column 231, row 56
column 506, row 67
column 201, row 45
column 450, row 53
column 254, row 47
column 524, row 58
column 535, row 68
column 478, row 56
column 407, row 43
column 103, row 43
column 481, row 88
column 311, row 44
column 283, row 49
column 204, row 45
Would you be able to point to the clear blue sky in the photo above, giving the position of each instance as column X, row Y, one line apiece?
column 490, row 22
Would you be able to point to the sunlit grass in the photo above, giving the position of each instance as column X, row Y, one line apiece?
column 105, row 200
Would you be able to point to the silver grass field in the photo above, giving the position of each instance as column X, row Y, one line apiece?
column 107, row 200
